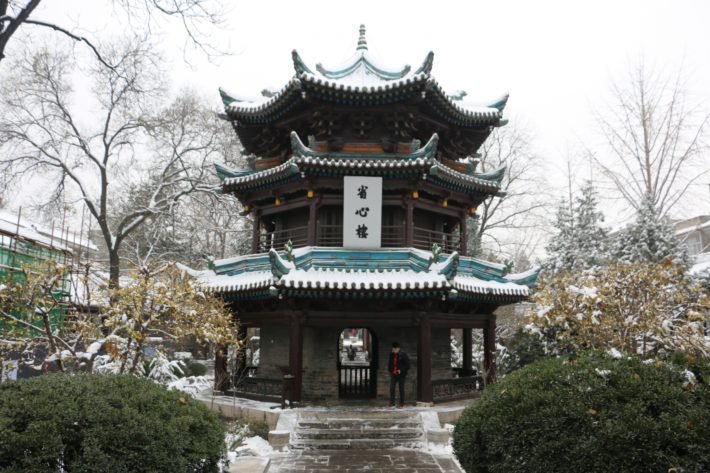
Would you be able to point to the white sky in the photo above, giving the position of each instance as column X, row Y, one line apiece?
column 555, row 58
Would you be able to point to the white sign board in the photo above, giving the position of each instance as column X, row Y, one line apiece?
column 362, row 212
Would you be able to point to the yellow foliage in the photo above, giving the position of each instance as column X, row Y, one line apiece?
column 647, row 309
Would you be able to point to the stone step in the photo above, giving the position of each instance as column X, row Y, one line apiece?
column 362, row 429
column 353, row 444
column 359, row 424
column 383, row 414
column 374, row 434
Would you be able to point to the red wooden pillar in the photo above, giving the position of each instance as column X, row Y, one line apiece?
column 489, row 348
column 295, row 356
column 426, row 393
column 255, row 231
column 221, row 375
column 467, row 355
column 312, row 218
column 409, row 223
column 463, row 234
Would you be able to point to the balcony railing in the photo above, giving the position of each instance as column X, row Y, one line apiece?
column 393, row 236
column 278, row 238
column 424, row 239
column 329, row 235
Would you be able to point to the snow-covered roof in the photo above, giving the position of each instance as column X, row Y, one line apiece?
column 362, row 76
column 362, row 279
column 479, row 286
column 9, row 226
column 62, row 240
column 334, row 271
column 420, row 161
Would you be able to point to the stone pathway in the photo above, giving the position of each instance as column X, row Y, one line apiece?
column 370, row 461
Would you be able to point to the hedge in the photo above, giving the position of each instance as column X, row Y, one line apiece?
column 92, row 423
column 591, row 414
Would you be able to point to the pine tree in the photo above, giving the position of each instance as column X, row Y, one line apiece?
column 650, row 239
column 560, row 250
column 590, row 237
column 581, row 241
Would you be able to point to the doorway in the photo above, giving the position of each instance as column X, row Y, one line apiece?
column 357, row 363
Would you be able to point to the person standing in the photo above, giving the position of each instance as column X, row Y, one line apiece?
column 397, row 366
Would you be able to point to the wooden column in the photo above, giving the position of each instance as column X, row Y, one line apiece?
column 221, row 375
column 255, row 231
column 241, row 368
column 426, row 393
column 409, row 223
column 312, row 219
column 489, row 348
column 467, row 356
column 295, row 356
column 463, row 233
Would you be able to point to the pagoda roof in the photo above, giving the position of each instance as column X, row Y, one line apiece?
column 388, row 273
column 307, row 162
column 361, row 81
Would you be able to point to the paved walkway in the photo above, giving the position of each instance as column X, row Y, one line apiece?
column 370, row 461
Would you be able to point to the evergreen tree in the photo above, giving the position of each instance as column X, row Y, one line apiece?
column 560, row 250
column 581, row 241
column 649, row 239
column 591, row 240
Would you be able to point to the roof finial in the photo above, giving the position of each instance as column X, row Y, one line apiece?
column 362, row 42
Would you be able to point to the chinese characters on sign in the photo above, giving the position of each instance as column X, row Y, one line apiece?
column 362, row 212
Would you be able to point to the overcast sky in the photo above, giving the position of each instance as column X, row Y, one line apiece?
column 555, row 58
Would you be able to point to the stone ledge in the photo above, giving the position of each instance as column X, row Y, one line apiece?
column 249, row 465
column 232, row 410
column 278, row 439
column 438, row 436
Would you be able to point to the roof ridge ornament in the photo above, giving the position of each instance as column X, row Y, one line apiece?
column 362, row 41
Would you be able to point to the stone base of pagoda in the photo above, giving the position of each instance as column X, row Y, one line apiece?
column 306, row 346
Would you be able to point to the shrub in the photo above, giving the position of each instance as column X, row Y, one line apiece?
column 91, row 423
column 194, row 368
column 592, row 414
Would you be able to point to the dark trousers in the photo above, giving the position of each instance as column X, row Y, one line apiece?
column 399, row 379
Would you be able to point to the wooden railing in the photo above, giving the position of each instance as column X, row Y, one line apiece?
column 277, row 239
column 456, row 388
column 260, row 389
column 356, row 381
column 329, row 235
column 393, row 236
column 424, row 239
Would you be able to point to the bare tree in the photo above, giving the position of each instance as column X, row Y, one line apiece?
column 194, row 15
column 520, row 210
column 655, row 140
column 202, row 227
column 131, row 138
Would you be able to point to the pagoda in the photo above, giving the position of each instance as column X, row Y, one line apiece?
column 360, row 191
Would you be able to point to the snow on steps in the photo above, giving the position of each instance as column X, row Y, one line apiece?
column 358, row 430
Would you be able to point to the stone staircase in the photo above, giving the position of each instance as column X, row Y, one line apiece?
column 362, row 429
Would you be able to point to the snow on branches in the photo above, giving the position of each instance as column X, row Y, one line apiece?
column 650, row 309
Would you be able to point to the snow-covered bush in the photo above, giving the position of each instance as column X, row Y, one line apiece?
column 163, row 370
column 105, row 423
column 648, row 309
column 593, row 414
